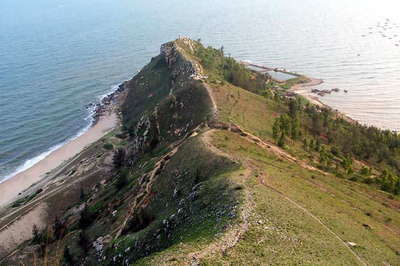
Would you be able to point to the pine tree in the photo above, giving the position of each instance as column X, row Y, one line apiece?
column 305, row 144
column 119, row 158
column 293, row 108
column 122, row 179
column 68, row 259
column 84, row 241
column 281, row 141
column 86, row 218
column 82, row 195
column 275, row 130
column 317, row 145
column 37, row 236
column 58, row 228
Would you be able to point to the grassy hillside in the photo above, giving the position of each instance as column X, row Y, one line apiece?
column 216, row 164
column 323, row 216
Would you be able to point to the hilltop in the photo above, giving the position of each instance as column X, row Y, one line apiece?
column 215, row 163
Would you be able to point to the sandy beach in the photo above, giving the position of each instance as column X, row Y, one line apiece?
column 302, row 89
column 10, row 188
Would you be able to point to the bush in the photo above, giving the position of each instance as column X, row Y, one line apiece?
column 108, row 146
column 84, row 241
column 138, row 222
column 68, row 259
column 86, row 218
column 122, row 179
column 354, row 178
column 368, row 180
column 59, row 228
column 37, row 236
column 119, row 158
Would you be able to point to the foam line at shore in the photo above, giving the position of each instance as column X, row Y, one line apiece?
column 92, row 109
column 31, row 162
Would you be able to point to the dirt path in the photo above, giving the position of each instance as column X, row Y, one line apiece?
column 315, row 218
column 28, row 216
column 273, row 148
column 143, row 197
column 21, row 229
column 212, row 98
column 231, row 238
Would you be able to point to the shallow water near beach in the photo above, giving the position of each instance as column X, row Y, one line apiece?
column 58, row 56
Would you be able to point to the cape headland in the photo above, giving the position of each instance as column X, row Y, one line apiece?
column 212, row 162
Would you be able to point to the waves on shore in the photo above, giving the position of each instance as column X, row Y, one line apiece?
column 46, row 79
column 31, row 162
column 92, row 110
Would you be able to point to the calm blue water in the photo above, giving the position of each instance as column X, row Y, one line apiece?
column 57, row 56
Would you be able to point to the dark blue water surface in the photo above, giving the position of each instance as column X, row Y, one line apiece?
column 57, row 56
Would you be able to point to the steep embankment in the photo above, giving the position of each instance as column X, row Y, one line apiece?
column 160, row 186
column 292, row 212
column 195, row 176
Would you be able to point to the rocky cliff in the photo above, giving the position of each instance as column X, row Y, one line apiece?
column 196, row 176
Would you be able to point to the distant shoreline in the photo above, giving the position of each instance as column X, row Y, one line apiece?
column 105, row 119
column 301, row 89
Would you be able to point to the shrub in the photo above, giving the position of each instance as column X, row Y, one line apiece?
column 37, row 235
column 354, row 178
column 119, row 158
column 122, row 179
column 67, row 257
column 82, row 195
column 108, row 146
column 59, row 228
column 84, row 241
column 138, row 222
column 86, row 218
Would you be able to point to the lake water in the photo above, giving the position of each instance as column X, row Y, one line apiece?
column 58, row 56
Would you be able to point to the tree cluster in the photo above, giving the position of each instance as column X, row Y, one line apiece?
column 215, row 61
column 338, row 141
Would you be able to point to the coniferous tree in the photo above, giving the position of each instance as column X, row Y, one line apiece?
column 119, row 158
column 281, row 141
column 276, row 129
column 84, row 241
column 68, row 259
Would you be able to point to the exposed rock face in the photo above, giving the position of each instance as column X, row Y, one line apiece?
column 180, row 102
column 146, row 134
column 174, row 57
column 168, row 51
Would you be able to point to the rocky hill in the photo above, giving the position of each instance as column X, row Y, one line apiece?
column 217, row 164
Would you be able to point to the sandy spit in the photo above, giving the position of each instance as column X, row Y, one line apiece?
column 302, row 89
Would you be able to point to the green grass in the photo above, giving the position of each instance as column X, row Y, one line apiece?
column 291, row 82
column 197, row 219
column 253, row 112
column 26, row 199
column 281, row 231
column 196, row 195
column 288, row 235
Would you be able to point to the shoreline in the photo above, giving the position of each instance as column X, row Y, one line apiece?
column 105, row 119
column 301, row 89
